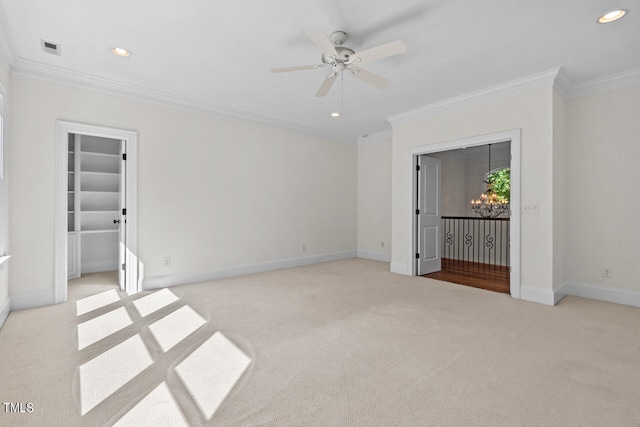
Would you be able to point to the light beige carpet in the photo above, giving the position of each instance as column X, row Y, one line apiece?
column 338, row 344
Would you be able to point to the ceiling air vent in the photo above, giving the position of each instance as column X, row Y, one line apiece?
column 52, row 48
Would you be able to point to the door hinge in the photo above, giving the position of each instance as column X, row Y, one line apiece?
column 417, row 211
column 124, row 266
column 418, row 167
column 417, row 256
column 124, row 156
column 124, row 211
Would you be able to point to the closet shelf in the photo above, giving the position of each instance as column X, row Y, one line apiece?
column 98, row 231
column 91, row 153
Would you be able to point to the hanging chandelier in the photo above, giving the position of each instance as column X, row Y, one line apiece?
column 489, row 205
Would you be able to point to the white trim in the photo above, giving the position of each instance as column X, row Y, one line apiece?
column 562, row 84
column 86, row 81
column 376, row 256
column 38, row 299
column 540, row 296
column 493, row 138
column 5, row 309
column 398, row 268
column 63, row 129
column 374, row 138
column 203, row 276
column 606, row 84
column 556, row 78
column 508, row 89
column 600, row 293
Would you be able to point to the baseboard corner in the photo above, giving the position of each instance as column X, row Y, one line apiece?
column 538, row 295
column 399, row 268
column 375, row 256
column 559, row 293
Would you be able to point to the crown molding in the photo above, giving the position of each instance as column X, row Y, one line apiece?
column 562, row 84
column 373, row 138
column 511, row 88
column 606, row 84
column 54, row 74
column 556, row 78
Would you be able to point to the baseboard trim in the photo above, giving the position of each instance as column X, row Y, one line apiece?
column 4, row 310
column 39, row 299
column 376, row 256
column 614, row 295
column 157, row 282
column 541, row 296
column 398, row 268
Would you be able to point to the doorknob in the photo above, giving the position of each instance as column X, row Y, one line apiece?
column 116, row 221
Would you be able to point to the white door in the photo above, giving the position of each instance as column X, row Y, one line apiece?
column 428, row 213
column 122, row 220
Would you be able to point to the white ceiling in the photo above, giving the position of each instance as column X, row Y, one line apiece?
column 219, row 54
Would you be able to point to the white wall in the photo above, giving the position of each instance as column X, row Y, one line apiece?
column 530, row 112
column 602, row 178
column 214, row 193
column 4, row 190
column 374, row 198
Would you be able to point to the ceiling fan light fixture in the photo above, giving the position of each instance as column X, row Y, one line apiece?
column 612, row 16
column 120, row 51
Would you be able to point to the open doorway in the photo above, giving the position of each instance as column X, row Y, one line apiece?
column 452, row 236
column 96, row 200
column 473, row 238
column 95, row 210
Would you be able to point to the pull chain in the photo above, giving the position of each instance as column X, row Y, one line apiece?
column 341, row 95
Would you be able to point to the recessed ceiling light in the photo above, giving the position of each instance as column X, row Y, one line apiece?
column 335, row 114
column 120, row 51
column 614, row 15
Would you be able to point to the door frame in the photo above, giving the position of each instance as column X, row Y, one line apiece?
column 514, row 224
column 63, row 129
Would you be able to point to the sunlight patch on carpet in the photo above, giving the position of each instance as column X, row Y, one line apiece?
column 211, row 372
column 85, row 305
column 103, row 375
column 158, row 408
column 154, row 302
column 101, row 327
column 175, row 327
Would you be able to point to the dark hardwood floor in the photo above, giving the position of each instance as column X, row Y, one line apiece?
column 483, row 276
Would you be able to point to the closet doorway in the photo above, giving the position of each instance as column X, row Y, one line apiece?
column 95, row 213
column 96, row 200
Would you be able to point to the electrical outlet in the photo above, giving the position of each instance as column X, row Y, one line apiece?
column 304, row 248
column 530, row 208
column 166, row 261
column 382, row 244
column 607, row 272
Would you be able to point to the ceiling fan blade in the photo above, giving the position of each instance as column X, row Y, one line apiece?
column 298, row 68
column 325, row 87
column 378, row 52
column 322, row 41
column 369, row 78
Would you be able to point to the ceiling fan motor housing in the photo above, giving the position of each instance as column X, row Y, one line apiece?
column 343, row 55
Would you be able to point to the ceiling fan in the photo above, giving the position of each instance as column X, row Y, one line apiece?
column 341, row 58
